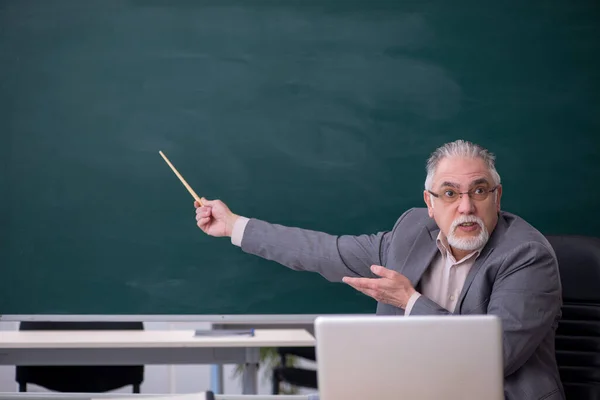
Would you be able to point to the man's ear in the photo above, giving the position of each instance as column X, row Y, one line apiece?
column 498, row 197
column 428, row 198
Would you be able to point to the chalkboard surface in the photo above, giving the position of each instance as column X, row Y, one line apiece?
column 317, row 114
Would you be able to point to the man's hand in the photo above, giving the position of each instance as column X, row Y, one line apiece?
column 392, row 288
column 215, row 218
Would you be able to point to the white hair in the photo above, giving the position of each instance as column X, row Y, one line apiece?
column 460, row 148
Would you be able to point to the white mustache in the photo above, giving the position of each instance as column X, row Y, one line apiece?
column 465, row 219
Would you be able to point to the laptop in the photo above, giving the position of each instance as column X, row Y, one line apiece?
column 409, row 358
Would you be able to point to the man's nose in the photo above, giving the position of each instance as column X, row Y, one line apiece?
column 466, row 205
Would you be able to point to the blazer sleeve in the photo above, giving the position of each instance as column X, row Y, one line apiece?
column 527, row 298
column 305, row 250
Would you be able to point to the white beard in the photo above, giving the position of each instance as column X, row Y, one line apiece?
column 468, row 243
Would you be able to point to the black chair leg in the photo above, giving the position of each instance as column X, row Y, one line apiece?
column 136, row 388
column 22, row 387
column 275, row 382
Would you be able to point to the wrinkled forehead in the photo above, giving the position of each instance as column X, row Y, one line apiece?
column 462, row 173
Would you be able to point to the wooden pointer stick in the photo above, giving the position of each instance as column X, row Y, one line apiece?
column 194, row 195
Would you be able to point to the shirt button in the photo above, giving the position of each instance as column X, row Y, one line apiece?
column 452, row 298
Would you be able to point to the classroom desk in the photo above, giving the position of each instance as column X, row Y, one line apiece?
column 146, row 347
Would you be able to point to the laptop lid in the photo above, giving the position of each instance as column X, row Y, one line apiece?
column 413, row 358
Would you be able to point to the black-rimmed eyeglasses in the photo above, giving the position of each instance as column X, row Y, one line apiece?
column 451, row 195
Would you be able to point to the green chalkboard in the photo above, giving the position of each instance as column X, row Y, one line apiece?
column 318, row 114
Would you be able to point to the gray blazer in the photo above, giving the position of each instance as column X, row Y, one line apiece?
column 515, row 277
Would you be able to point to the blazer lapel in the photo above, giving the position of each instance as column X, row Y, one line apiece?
column 420, row 256
column 485, row 253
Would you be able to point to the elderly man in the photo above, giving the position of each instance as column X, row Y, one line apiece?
column 460, row 255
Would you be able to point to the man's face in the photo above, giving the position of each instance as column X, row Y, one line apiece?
column 466, row 222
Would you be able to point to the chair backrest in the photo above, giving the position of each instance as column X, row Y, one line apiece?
column 82, row 379
column 291, row 374
column 578, row 334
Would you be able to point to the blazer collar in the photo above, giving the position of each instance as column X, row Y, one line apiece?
column 421, row 253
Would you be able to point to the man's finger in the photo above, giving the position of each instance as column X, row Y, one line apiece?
column 383, row 271
column 203, row 211
column 363, row 283
column 206, row 202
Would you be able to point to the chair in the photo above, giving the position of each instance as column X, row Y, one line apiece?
column 91, row 379
column 578, row 333
column 293, row 375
